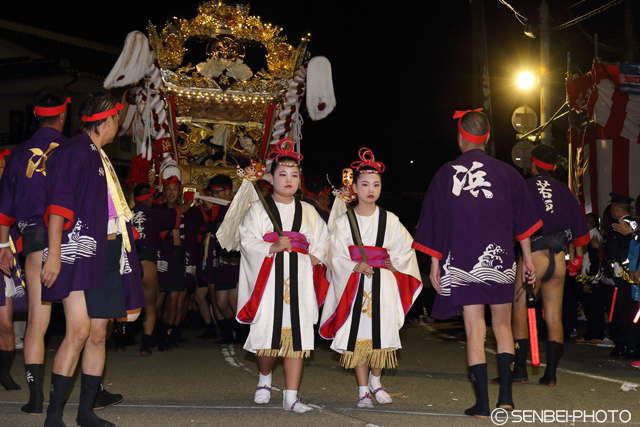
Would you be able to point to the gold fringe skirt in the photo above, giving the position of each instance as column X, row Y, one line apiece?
column 286, row 348
column 364, row 354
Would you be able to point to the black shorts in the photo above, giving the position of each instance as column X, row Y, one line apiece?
column 109, row 302
column 147, row 254
column 225, row 286
column 32, row 241
column 178, row 282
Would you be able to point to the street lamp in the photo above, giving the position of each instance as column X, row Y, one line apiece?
column 525, row 80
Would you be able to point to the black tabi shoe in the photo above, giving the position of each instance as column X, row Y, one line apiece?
column 6, row 360
column 618, row 350
column 145, row 345
column 35, row 379
column 59, row 387
column 210, row 333
column 505, row 398
column 480, row 385
column 89, row 388
column 104, row 399
column 554, row 353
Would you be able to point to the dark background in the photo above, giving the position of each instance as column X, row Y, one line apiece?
column 400, row 69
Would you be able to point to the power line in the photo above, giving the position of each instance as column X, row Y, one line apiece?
column 588, row 15
column 518, row 15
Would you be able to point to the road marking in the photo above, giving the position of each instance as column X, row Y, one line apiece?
column 229, row 354
column 569, row 371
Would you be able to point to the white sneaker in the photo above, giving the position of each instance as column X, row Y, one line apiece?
column 19, row 344
column 606, row 343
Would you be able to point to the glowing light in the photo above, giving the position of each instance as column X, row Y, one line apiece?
column 525, row 80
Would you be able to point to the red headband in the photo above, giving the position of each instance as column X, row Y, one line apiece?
column 280, row 151
column 4, row 154
column 104, row 114
column 218, row 188
column 543, row 165
column 367, row 159
column 51, row 111
column 466, row 135
column 146, row 196
column 173, row 180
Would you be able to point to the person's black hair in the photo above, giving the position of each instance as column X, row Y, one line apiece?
column 594, row 219
column 221, row 180
column 356, row 173
column 95, row 103
column 275, row 163
column 141, row 190
column 49, row 97
column 313, row 184
column 476, row 123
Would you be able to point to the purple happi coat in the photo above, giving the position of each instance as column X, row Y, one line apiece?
column 150, row 222
column 22, row 187
column 218, row 270
column 559, row 209
column 77, row 191
column 474, row 208
column 198, row 223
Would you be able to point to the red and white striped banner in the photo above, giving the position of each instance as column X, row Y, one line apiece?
column 606, row 155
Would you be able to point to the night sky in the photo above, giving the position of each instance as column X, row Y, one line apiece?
column 400, row 69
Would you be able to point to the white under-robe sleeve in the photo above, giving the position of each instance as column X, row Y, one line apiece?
column 253, row 250
column 319, row 245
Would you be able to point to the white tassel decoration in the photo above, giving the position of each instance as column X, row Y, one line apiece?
column 321, row 99
column 133, row 63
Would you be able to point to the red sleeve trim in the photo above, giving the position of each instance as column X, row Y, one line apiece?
column 204, row 214
column 5, row 220
column 426, row 250
column 530, row 231
column 179, row 218
column 60, row 211
column 214, row 212
column 581, row 241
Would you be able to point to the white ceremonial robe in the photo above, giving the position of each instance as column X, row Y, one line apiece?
column 397, row 242
column 254, row 250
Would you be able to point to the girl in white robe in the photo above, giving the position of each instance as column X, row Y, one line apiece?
column 276, row 292
column 367, row 301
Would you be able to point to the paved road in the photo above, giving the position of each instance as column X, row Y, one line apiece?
column 203, row 384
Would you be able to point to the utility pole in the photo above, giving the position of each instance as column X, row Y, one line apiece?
column 628, row 32
column 544, row 71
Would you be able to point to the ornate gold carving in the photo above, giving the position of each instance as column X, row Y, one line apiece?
column 215, row 18
column 200, row 175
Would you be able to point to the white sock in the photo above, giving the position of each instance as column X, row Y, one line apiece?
column 374, row 382
column 362, row 391
column 289, row 398
column 380, row 395
column 263, row 395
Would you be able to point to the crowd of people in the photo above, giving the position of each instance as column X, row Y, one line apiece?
column 304, row 268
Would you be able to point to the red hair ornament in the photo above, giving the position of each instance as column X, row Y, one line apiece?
column 367, row 160
column 4, row 154
column 281, row 151
column 466, row 135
